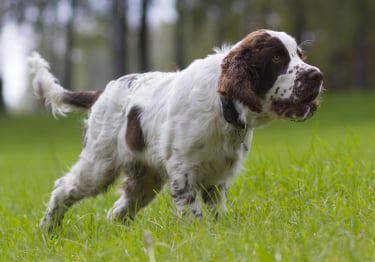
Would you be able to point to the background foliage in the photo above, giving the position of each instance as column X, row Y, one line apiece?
column 307, row 191
column 89, row 43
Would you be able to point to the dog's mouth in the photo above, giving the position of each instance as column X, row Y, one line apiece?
column 295, row 111
column 300, row 106
column 310, row 98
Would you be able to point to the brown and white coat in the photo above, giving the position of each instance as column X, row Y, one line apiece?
column 189, row 128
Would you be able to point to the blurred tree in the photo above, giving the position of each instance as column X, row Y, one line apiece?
column 180, row 33
column 214, row 11
column 299, row 9
column 214, row 23
column 361, row 9
column 69, row 45
column 345, row 42
column 144, row 38
column 41, row 16
column 222, row 21
column 118, row 36
column 343, row 29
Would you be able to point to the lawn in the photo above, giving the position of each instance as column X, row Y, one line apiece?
column 306, row 193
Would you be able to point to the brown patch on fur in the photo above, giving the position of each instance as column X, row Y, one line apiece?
column 248, row 71
column 294, row 110
column 134, row 135
column 237, row 79
column 83, row 99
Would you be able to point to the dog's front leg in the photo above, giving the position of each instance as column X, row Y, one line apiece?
column 184, row 194
column 215, row 197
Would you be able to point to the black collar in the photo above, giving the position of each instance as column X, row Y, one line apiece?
column 230, row 113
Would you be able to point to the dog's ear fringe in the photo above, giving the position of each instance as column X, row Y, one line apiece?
column 237, row 81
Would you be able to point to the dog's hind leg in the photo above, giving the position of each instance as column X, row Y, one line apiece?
column 87, row 177
column 138, row 189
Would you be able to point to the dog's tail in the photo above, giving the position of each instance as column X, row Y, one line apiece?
column 47, row 88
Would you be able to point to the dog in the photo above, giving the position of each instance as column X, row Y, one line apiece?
column 191, row 128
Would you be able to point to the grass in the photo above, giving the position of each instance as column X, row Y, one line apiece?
column 307, row 193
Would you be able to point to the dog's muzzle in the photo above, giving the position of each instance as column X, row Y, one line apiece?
column 308, row 86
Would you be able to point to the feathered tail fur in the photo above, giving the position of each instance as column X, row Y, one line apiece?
column 47, row 88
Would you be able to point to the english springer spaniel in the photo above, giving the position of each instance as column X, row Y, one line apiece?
column 190, row 128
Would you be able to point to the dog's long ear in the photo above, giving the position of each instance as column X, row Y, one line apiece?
column 239, row 78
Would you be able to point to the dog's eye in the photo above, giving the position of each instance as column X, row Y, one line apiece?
column 276, row 58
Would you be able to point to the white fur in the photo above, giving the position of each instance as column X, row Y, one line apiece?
column 188, row 142
column 46, row 85
column 285, row 82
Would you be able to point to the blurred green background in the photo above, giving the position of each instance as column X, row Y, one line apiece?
column 306, row 192
column 90, row 42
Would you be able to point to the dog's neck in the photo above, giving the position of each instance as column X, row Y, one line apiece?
column 230, row 113
column 240, row 116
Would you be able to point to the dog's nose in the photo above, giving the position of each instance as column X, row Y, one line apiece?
column 314, row 77
column 309, row 85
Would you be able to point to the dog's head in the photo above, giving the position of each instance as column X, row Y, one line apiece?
column 266, row 72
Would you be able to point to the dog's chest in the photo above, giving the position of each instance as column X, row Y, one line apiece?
column 217, row 159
